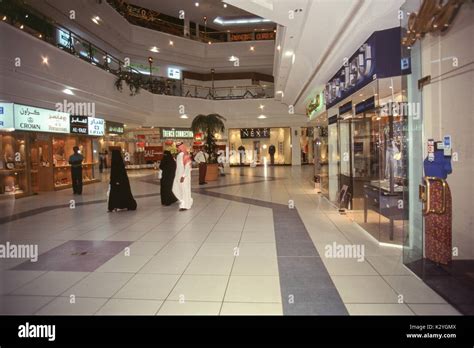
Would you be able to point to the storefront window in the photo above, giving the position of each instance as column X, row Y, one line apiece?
column 256, row 150
column 13, row 171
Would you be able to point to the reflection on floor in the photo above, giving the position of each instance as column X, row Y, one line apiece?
column 241, row 249
column 454, row 282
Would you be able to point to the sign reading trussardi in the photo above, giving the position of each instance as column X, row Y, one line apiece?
column 250, row 133
column 178, row 133
column 29, row 118
column 6, row 116
column 96, row 126
column 79, row 125
column 114, row 127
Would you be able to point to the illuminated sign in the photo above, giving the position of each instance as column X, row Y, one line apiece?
column 114, row 127
column 29, row 118
column 96, row 126
column 315, row 105
column 6, row 116
column 174, row 73
column 79, row 125
column 250, row 133
column 178, row 133
column 64, row 38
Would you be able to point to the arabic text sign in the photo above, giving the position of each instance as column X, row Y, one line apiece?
column 34, row 119
column 6, row 115
column 79, row 125
column 96, row 126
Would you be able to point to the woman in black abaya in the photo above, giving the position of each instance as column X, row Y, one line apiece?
column 120, row 196
column 168, row 170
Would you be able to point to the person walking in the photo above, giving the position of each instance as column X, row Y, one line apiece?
column 271, row 151
column 120, row 196
column 201, row 158
column 182, row 179
column 168, row 171
column 75, row 160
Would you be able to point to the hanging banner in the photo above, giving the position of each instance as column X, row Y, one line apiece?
column 379, row 57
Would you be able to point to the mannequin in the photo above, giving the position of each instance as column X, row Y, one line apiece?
column 241, row 149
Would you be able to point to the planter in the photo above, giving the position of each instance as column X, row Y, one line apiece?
column 212, row 172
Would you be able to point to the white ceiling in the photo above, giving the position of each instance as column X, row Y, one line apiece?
column 209, row 8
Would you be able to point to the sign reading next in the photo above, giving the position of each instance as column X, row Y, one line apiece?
column 177, row 133
column 250, row 133
column 29, row 118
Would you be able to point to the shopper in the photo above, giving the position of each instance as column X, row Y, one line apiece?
column 182, row 180
column 201, row 158
column 271, row 151
column 75, row 160
column 120, row 196
column 168, row 171
column 101, row 162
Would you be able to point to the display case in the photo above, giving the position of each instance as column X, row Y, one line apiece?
column 13, row 173
column 62, row 149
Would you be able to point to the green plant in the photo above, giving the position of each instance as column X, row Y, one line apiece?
column 133, row 81
column 209, row 125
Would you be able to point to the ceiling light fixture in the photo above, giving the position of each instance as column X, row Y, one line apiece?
column 68, row 91
column 288, row 53
column 278, row 47
column 293, row 59
column 262, row 117
column 225, row 5
column 4, row 18
column 21, row 27
column 209, row 42
column 252, row 48
column 261, row 106
column 222, row 21
column 183, row 116
column 196, row 4
column 171, row 43
column 96, row 19
column 45, row 60
column 154, row 49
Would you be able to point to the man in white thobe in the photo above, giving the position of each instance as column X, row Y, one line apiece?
column 182, row 179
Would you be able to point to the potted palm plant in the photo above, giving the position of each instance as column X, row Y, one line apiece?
column 209, row 125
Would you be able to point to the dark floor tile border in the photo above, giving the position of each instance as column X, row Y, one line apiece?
column 28, row 213
column 306, row 286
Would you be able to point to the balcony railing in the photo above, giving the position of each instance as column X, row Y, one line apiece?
column 30, row 21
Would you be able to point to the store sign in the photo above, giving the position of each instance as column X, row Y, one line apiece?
column 114, row 127
column 379, row 57
column 63, row 38
column 153, row 153
column 140, row 12
column 96, row 126
column 433, row 16
column 178, row 133
column 29, row 118
column 266, row 35
column 174, row 73
column 366, row 105
column 6, row 116
column 250, row 133
column 347, row 107
column 79, row 125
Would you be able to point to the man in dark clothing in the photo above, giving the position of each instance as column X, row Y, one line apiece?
column 271, row 151
column 75, row 160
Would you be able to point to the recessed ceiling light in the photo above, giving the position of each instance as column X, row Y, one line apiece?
column 262, row 116
column 288, row 53
column 293, row 59
column 183, row 116
column 225, row 5
column 45, row 60
column 68, row 91
column 233, row 58
column 252, row 48
column 196, row 4
column 278, row 47
column 261, row 106
column 4, row 18
column 154, row 49
column 125, row 125
column 21, row 27
column 361, row 95
column 96, row 19
column 171, row 43
column 209, row 42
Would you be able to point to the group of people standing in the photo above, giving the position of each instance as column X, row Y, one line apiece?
column 175, row 180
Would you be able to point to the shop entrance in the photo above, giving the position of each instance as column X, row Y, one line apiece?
column 41, row 172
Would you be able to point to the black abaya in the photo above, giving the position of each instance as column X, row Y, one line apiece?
column 120, row 193
column 168, row 168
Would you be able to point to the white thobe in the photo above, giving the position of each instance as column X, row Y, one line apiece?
column 182, row 190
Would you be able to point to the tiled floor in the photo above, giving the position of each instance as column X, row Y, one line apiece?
column 240, row 250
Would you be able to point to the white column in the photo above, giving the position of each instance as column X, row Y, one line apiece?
column 295, row 146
